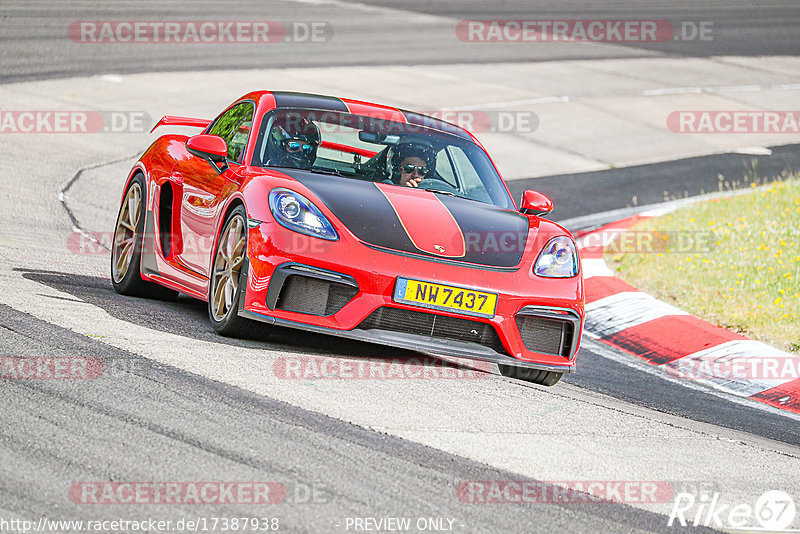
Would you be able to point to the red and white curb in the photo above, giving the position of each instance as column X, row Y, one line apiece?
column 681, row 344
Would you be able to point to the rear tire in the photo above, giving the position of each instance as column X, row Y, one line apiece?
column 223, row 286
column 543, row 378
column 126, row 251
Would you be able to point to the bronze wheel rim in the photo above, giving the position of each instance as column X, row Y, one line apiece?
column 125, row 233
column 227, row 265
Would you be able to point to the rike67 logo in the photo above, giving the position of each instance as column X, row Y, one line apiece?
column 774, row 511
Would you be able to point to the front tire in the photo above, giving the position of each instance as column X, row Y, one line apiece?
column 223, row 287
column 126, row 251
column 543, row 378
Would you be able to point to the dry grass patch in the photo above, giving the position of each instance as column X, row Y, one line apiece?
column 745, row 273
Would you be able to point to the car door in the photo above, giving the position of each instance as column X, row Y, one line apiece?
column 204, row 190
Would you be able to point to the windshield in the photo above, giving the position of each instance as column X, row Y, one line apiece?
column 379, row 150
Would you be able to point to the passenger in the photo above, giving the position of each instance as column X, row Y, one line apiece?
column 411, row 163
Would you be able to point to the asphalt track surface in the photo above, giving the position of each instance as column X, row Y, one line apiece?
column 584, row 194
column 194, row 428
column 334, row 470
column 414, row 32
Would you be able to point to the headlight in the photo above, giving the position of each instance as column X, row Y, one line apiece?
column 296, row 212
column 558, row 259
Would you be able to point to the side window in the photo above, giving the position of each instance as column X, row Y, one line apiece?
column 473, row 185
column 444, row 169
column 234, row 127
column 465, row 168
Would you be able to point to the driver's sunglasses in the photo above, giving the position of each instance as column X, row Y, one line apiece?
column 294, row 146
column 408, row 169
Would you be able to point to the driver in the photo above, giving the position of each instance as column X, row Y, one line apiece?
column 411, row 163
column 292, row 142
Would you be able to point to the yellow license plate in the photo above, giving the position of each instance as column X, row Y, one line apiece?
column 444, row 297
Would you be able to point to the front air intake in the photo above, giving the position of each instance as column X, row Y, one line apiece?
column 303, row 294
column 433, row 325
column 546, row 335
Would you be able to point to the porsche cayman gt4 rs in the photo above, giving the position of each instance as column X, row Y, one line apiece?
column 356, row 220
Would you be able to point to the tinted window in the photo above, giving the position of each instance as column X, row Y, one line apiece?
column 444, row 168
column 369, row 148
column 234, row 127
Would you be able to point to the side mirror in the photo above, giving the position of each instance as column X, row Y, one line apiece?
column 211, row 148
column 535, row 203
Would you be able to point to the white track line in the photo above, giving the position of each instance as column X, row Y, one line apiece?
column 722, row 89
column 589, row 342
column 595, row 267
column 618, row 312
column 741, row 356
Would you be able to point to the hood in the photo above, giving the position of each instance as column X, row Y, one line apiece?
column 421, row 222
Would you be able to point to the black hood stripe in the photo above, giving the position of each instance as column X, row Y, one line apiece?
column 360, row 206
column 407, row 208
column 308, row 101
column 494, row 236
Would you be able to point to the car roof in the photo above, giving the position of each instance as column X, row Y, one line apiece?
column 289, row 100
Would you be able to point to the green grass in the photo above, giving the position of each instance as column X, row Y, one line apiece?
column 747, row 280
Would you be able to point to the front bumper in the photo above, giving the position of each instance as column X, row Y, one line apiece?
column 274, row 253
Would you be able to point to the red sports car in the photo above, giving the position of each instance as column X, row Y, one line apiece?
column 356, row 220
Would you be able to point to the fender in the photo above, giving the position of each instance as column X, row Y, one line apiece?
column 137, row 167
column 152, row 168
column 151, row 159
column 237, row 196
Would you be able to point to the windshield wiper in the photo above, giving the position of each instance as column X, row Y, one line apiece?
column 448, row 193
column 320, row 170
column 335, row 172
